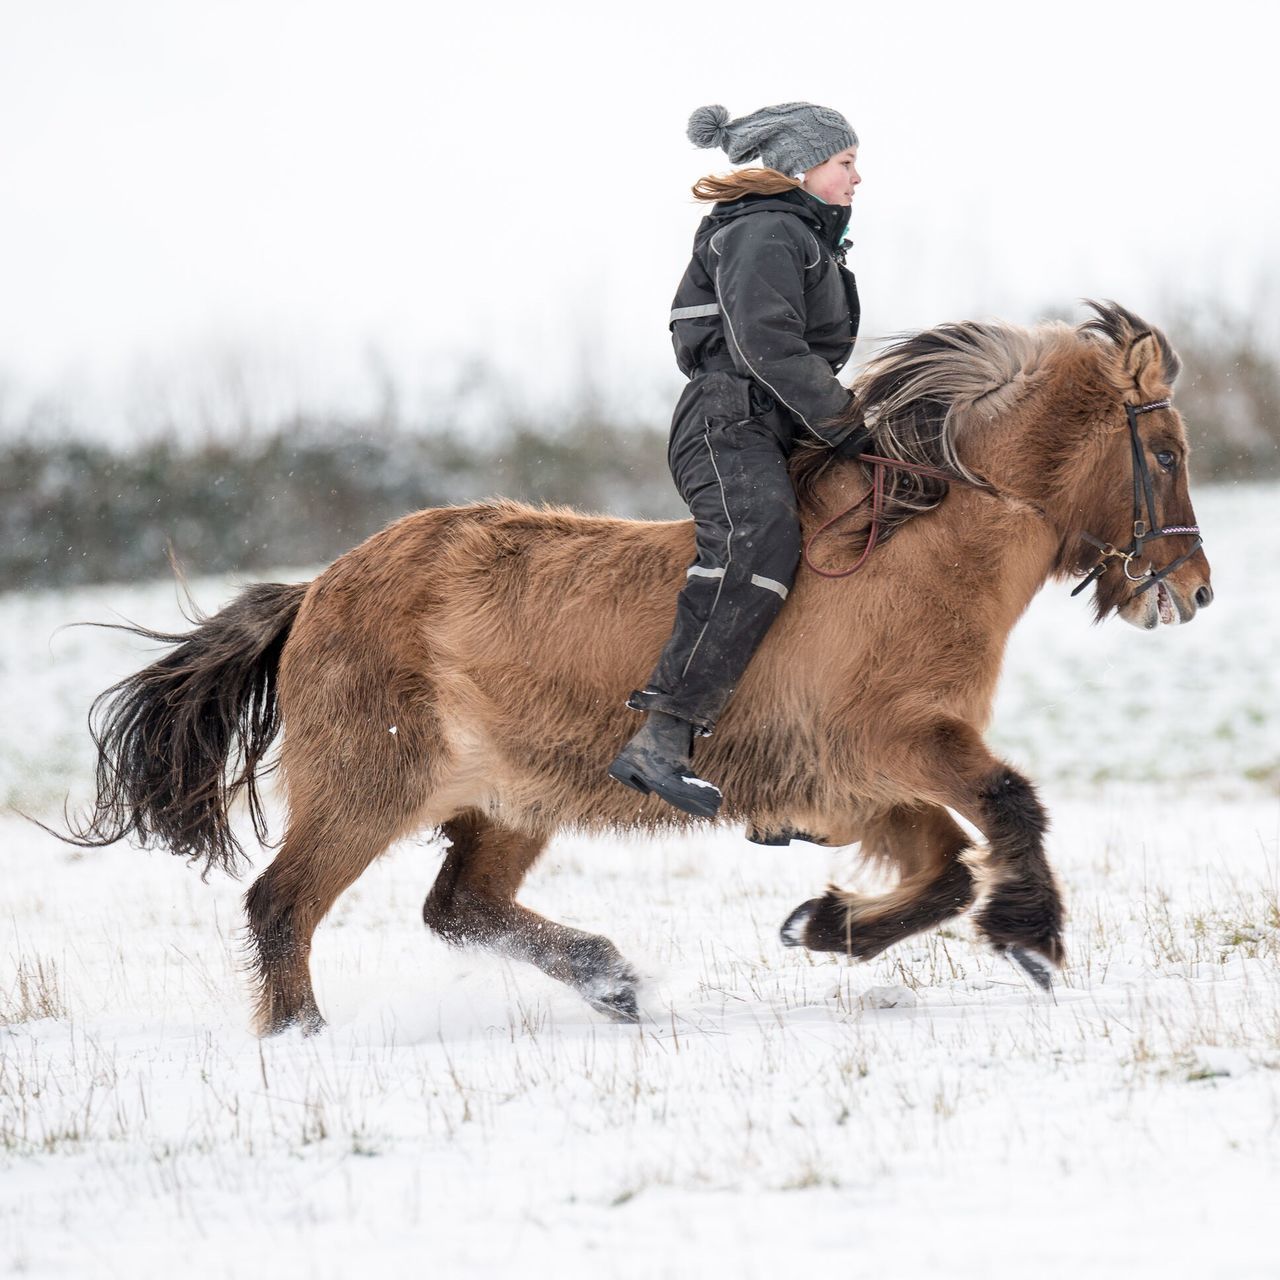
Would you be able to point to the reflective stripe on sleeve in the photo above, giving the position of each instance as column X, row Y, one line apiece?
column 769, row 584
column 690, row 313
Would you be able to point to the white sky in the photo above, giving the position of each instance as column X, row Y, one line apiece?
column 296, row 194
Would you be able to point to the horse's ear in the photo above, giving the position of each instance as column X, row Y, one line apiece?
column 1146, row 362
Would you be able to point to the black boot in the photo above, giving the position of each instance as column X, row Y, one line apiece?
column 657, row 760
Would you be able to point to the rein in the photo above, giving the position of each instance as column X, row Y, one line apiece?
column 875, row 495
column 1144, row 531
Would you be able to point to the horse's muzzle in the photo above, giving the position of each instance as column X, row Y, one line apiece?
column 1166, row 604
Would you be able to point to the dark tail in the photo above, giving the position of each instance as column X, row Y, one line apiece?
column 181, row 739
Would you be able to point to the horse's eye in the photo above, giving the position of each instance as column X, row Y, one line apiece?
column 1166, row 459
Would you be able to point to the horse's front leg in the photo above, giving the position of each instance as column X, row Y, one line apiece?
column 1020, row 909
column 927, row 848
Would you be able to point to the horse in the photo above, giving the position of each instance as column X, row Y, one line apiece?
column 465, row 671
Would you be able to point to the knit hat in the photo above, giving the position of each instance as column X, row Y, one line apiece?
column 789, row 137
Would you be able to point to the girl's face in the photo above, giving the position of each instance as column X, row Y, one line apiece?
column 834, row 180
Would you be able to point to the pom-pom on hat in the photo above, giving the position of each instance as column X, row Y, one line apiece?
column 790, row 137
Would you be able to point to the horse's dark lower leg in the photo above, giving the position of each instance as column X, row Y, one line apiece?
column 473, row 902
column 280, row 962
column 318, row 860
column 1021, row 908
column 926, row 845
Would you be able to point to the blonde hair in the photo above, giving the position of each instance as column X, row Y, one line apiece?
column 742, row 182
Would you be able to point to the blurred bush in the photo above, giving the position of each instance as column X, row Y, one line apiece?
column 1229, row 390
column 75, row 512
column 304, row 491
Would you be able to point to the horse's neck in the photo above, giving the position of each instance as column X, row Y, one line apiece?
column 839, row 490
column 976, row 549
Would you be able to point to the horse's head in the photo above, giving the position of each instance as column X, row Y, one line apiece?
column 1134, row 531
column 1078, row 423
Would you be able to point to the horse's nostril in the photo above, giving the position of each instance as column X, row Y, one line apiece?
column 1204, row 596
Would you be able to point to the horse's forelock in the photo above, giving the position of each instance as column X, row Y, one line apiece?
column 1121, row 328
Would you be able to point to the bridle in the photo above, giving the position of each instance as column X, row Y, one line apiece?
column 1144, row 531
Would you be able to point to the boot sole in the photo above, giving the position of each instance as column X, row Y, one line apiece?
column 686, row 804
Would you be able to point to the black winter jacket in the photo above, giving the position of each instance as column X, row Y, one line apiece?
column 767, row 288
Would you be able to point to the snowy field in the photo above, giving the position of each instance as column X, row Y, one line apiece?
column 923, row 1115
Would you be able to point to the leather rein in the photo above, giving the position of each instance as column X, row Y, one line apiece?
column 874, row 495
column 1144, row 531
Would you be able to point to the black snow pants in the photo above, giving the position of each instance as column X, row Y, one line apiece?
column 728, row 456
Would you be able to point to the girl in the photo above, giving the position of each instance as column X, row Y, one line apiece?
column 763, row 320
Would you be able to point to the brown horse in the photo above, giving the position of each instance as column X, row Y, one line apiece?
column 465, row 669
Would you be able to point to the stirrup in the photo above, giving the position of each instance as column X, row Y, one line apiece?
column 782, row 836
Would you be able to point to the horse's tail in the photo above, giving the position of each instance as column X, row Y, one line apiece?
column 178, row 741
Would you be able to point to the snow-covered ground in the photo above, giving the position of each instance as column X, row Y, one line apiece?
column 926, row 1114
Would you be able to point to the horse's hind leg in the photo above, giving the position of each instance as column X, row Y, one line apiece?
column 473, row 901
column 925, row 844
column 324, row 852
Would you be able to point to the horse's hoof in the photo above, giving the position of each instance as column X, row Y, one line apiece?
column 308, row 1021
column 795, row 925
column 609, row 983
column 1032, row 965
column 620, row 1004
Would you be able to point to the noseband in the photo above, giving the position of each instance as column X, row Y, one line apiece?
column 1144, row 531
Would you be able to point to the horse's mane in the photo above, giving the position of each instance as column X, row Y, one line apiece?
column 916, row 400
column 918, row 397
